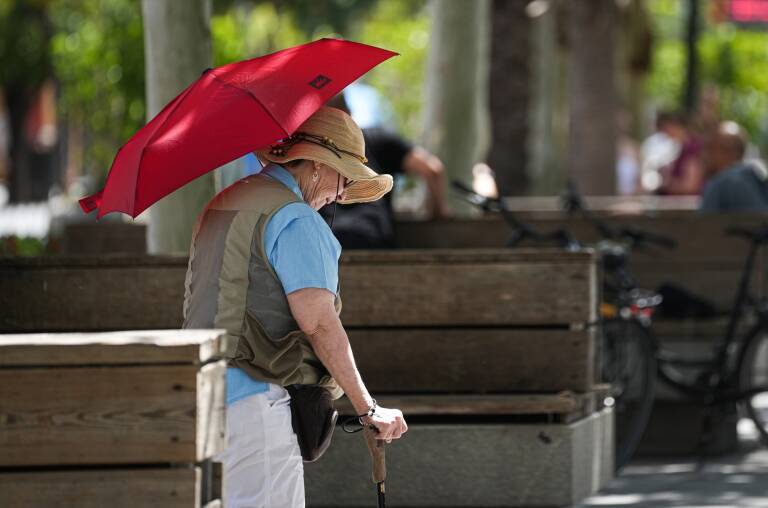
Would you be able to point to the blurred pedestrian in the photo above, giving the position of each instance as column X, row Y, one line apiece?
column 684, row 176
column 661, row 148
column 735, row 184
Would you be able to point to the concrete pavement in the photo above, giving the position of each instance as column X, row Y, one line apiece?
column 737, row 480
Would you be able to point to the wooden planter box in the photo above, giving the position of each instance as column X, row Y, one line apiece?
column 83, row 416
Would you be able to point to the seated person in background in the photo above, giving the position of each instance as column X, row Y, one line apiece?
column 661, row 148
column 372, row 225
column 685, row 174
column 735, row 185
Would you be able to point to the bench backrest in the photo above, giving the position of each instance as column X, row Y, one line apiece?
column 459, row 321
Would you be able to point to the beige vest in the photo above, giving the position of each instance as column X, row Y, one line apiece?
column 230, row 284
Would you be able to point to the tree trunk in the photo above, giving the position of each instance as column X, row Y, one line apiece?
column 456, row 118
column 592, row 152
column 177, row 41
column 509, row 95
column 548, row 104
column 690, row 94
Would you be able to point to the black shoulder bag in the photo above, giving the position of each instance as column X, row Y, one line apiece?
column 313, row 418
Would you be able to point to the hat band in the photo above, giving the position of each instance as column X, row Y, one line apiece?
column 281, row 149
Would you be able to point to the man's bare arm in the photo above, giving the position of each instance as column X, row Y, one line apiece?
column 314, row 311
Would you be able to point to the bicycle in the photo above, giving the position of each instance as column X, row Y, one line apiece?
column 632, row 359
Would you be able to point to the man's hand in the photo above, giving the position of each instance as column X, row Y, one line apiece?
column 389, row 423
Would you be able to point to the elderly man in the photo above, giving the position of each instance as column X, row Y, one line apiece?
column 263, row 266
column 735, row 185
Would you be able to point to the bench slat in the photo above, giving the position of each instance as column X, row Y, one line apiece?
column 169, row 488
column 113, row 348
column 496, row 287
column 501, row 294
column 111, row 415
column 474, row 359
column 563, row 403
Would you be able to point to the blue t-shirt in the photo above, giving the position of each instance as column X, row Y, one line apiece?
column 741, row 188
column 303, row 252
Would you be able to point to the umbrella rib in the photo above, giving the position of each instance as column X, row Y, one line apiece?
column 248, row 92
column 151, row 139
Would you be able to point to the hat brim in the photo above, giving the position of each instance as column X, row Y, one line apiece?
column 366, row 186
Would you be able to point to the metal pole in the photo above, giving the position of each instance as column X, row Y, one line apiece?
column 692, row 28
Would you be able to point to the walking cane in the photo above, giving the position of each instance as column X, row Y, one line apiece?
column 379, row 469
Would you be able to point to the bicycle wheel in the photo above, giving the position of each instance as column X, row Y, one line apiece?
column 629, row 366
column 753, row 375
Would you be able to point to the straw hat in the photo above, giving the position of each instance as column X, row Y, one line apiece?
column 331, row 136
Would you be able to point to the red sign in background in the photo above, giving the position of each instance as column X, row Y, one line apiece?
column 749, row 11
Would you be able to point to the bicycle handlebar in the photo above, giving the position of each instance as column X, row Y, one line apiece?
column 522, row 229
column 573, row 203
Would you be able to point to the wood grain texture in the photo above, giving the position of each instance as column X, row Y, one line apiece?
column 98, row 415
column 104, row 238
column 473, row 360
column 118, row 488
column 95, row 297
column 113, row 348
column 489, row 287
column 211, row 410
column 474, row 293
column 706, row 260
column 699, row 236
column 482, row 405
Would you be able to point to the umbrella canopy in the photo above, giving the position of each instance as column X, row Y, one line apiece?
column 228, row 112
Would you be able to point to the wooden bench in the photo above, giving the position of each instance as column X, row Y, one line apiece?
column 486, row 352
column 443, row 307
column 706, row 262
column 111, row 419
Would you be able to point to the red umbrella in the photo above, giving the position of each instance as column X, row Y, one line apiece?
column 228, row 112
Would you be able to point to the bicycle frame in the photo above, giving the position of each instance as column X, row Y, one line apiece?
column 721, row 373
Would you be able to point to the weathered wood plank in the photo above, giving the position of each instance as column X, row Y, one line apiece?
column 99, row 415
column 98, row 297
column 699, row 236
column 458, row 257
column 562, row 403
column 470, row 294
column 497, row 287
column 107, row 237
column 211, row 410
column 664, row 206
column 474, row 360
column 113, row 348
column 116, row 488
column 706, row 261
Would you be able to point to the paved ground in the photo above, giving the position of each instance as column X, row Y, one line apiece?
column 738, row 480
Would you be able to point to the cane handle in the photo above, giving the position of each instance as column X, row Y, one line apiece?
column 376, row 449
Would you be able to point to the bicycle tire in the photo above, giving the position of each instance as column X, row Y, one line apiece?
column 753, row 373
column 629, row 366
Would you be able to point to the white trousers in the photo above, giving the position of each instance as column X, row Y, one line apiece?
column 262, row 462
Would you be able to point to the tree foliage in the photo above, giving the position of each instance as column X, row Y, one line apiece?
column 402, row 26
column 97, row 53
column 733, row 59
column 24, row 53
